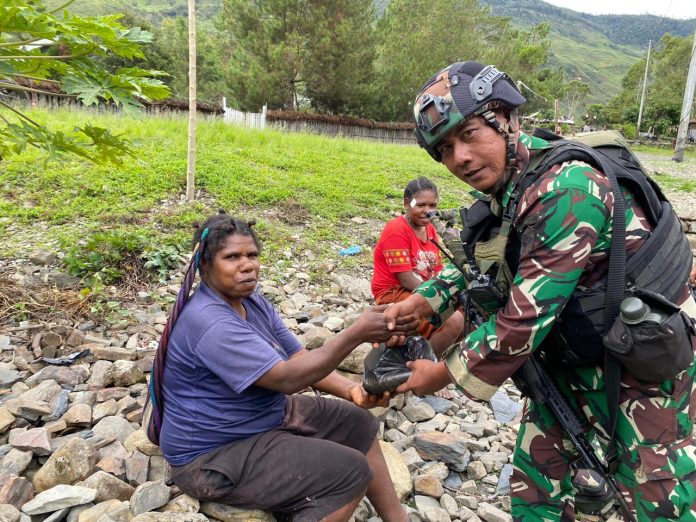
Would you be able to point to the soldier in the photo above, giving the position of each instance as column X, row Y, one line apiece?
column 552, row 245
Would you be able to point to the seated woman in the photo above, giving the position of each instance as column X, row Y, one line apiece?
column 232, row 430
column 405, row 256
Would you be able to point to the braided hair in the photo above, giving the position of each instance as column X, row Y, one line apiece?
column 418, row 185
column 208, row 240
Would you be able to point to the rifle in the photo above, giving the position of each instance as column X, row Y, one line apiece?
column 534, row 381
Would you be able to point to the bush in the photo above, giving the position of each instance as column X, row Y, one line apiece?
column 109, row 255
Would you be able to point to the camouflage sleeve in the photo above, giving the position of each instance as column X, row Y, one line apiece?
column 561, row 219
column 441, row 293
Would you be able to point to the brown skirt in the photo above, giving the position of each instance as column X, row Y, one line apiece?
column 307, row 468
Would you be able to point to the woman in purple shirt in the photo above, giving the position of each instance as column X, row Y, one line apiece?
column 234, row 429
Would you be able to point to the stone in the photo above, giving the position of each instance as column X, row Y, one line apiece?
column 72, row 462
column 94, row 513
column 137, row 467
column 138, row 441
column 75, row 338
column 334, row 323
column 78, row 415
column 148, row 497
column 182, row 504
column 504, row 408
column 50, row 340
column 96, row 379
column 450, row 448
column 113, row 466
column 114, row 450
column 9, row 513
column 469, row 487
column 449, row 504
column 36, row 440
column 353, row 363
column 418, row 411
column 111, row 353
column 439, row 404
column 15, row 490
column 38, row 399
column 113, row 425
column 412, row 459
column 398, row 471
column 41, row 257
column 58, row 497
column 159, row 470
column 490, row 513
column 503, row 487
column 316, row 337
column 436, row 515
column 9, row 377
column 15, row 462
column 75, row 511
column 428, row 485
column 104, row 409
column 227, row 513
column 176, row 517
column 112, row 393
column 476, row 470
column 424, row 503
column 123, row 373
column 108, row 487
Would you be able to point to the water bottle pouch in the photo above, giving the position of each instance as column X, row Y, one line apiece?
column 650, row 351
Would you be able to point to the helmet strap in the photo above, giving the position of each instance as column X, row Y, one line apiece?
column 509, row 136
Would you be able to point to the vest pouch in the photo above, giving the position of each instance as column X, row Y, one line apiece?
column 653, row 351
column 490, row 254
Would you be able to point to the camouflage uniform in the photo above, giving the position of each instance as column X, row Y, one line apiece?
column 564, row 223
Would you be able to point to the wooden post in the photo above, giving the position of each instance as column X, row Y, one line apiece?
column 642, row 96
column 191, row 164
column 557, row 116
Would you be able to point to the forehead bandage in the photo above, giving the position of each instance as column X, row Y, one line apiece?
column 413, row 203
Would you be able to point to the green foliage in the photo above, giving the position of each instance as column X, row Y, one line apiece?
column 666, row 82
column 288, row 51
column 69, row 63
column 418, row 38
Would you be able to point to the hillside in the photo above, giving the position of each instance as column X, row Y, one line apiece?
column 597, row 49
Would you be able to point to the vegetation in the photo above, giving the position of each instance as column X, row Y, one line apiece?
column 46, row 52
column 108, row 218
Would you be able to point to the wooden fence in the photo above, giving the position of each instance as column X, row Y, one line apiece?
column 248, row 120
column 168, row 108
column 260, row 120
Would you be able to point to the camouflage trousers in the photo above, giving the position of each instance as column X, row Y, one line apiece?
column 655, row 443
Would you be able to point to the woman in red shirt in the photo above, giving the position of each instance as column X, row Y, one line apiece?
column 405, row 256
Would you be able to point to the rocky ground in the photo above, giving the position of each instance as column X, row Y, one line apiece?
column 72, row 393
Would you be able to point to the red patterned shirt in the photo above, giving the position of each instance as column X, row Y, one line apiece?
column 400, row 250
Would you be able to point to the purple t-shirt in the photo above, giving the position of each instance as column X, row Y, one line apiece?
column 214, row 358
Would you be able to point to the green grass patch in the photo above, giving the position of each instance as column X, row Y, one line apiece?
column 301, row 189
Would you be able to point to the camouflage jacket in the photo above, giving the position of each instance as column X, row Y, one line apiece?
column 564, row 222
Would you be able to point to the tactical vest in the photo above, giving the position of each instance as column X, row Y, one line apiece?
column 576, row 337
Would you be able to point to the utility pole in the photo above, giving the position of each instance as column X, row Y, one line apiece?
column 191, row 164
column 557, row 115
column 642, row 96
column 686, row 107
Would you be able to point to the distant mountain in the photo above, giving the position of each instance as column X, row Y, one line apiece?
column 599, row 49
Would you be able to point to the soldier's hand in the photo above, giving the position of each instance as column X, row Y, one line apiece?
column 426, row 377
column 415, row 305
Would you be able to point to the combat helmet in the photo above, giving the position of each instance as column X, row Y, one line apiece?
column 459, row 92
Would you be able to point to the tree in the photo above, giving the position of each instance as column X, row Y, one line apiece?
column 45, row 52
column 576, row 93
column 418, row 37
column 667, row 72
column 289, row 53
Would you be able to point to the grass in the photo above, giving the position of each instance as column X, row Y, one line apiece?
column 301, row 189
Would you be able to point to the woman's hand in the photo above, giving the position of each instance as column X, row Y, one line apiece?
column 372, row 325
column 365, row 400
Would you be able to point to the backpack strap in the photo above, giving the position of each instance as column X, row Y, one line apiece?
column 568, row 151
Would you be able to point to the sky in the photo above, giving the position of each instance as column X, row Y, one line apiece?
column 669, row 8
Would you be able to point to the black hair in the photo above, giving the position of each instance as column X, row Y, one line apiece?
column 418, row 185
column 220, row 226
